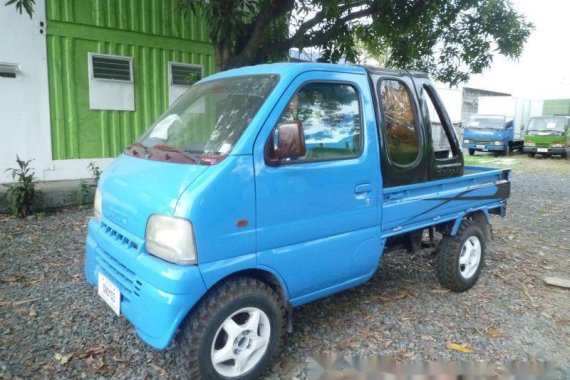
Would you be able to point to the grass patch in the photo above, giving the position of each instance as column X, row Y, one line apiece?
column 488, row 160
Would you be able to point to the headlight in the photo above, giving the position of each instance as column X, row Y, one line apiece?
column 466, row 141
column 97, row 210
column 558, row 145
column 528, row 143
column 171, row 239
column 498, row 143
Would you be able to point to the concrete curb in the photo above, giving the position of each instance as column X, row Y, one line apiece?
column 55, row 194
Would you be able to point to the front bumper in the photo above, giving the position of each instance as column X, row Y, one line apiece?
column 155, row 295
column 550, row 151
column 485, row 147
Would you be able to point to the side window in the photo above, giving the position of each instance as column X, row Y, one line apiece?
column 400, row 122
column 331, row 119
column 441, row 143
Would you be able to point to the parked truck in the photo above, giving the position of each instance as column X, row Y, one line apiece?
column 497, row 125
column 267, row 187
column 548, row 136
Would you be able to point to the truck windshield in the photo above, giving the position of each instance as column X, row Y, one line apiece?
column 486, row 122
column 203, row 126
column 546, row 124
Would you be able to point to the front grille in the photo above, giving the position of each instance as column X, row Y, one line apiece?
column 117, row 237
column 124, row 278
column 479, row 142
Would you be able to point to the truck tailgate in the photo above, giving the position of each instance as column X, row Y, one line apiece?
column 410, row 207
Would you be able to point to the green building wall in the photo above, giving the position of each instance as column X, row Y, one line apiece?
column 152, row 32
column 556, row 107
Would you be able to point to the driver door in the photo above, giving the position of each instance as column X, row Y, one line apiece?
column 317, row 215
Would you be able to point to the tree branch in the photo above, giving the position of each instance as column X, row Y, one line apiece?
column 273, row 9
column 320, row 38
column 324, row 36
column 321, row 16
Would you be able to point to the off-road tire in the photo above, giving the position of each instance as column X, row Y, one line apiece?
column 447, row 267
column 194, row 341
column 471, row 152
column 531, row 155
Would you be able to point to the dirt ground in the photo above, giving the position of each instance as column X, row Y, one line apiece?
column 52, row 324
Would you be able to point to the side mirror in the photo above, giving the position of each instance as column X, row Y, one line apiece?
column 287, row 142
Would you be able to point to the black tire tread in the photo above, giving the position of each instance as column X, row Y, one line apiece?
column 446, row 265
column 194, row 328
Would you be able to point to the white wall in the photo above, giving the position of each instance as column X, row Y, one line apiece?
column 24, row 101
column 452, row 100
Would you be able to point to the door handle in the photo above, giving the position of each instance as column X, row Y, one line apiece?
column 395, row 196
column 362, row 188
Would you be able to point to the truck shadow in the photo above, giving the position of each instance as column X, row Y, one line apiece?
column 401, row 278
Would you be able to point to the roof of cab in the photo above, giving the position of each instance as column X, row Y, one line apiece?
column 287, row 69
column 292, row 69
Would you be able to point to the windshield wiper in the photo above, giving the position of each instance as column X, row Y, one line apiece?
column 138, row 145
column 186, row 153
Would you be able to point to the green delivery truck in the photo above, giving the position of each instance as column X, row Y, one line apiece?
column 548, row 136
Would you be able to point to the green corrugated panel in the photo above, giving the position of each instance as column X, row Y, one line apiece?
column 155, row 17
column 77, row 27
column 556, row 107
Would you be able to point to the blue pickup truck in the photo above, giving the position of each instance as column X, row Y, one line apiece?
column 267, row 187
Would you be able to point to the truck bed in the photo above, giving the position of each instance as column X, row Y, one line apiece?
column 411, row 207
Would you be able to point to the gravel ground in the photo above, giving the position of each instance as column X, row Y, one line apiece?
column 52, row 324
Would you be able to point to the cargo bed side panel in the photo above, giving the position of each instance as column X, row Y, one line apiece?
column 407, row 208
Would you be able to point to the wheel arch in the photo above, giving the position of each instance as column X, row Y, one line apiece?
column 267, row 276
column 477, row 216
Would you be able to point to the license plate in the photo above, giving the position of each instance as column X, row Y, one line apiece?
column 110, row 293
column 480, row 146
column 542, row 150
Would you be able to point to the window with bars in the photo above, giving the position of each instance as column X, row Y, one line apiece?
column 112, row 68
column 111, row 82
column 183, row 74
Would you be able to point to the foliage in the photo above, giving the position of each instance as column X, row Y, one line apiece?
column 192, row 78
column 95, row 171
column 83, row 193
column 27, row 5
column 22, row 196
column 450, row 39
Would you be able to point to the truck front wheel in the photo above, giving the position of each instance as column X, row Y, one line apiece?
column 461, row 257
column 471, row 152
column 233, row 333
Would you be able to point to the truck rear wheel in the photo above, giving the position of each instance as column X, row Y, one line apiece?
column 461, row 257
column 234, row 332
column 531, row 155
column 471, row 152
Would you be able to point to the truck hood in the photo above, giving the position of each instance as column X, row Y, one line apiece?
column 132, row 189
column 484, row 135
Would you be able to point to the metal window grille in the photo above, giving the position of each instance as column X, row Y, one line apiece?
column 184, row 74
column 112, row 68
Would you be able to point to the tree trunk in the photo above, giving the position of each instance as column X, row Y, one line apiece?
column 222, row 53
